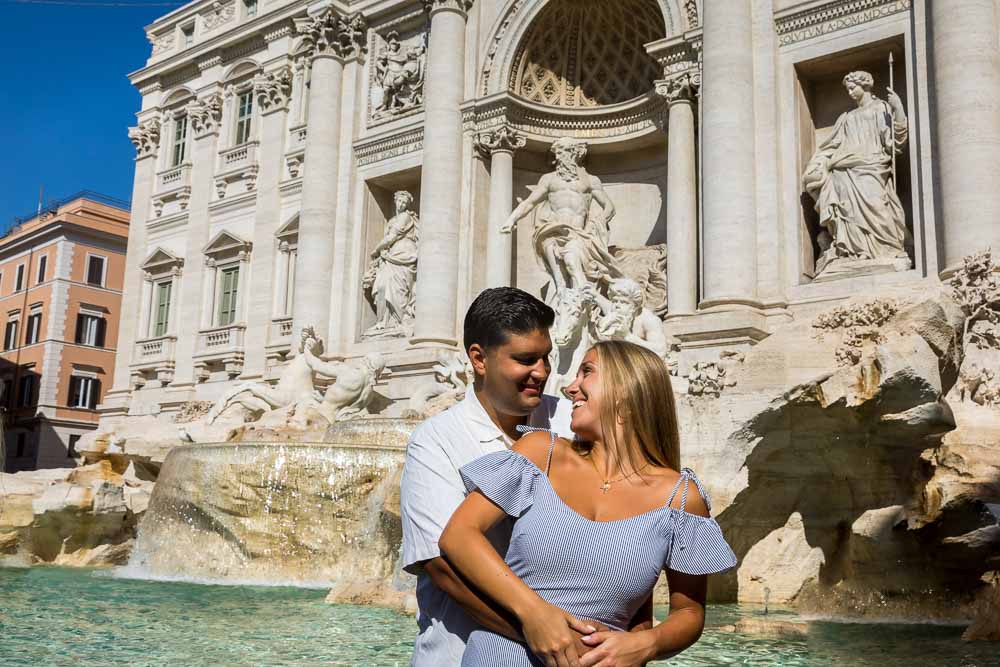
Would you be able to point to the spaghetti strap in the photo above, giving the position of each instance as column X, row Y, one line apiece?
column 521, row 428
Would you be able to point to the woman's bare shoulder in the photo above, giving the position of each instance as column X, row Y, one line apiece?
column 534, row 446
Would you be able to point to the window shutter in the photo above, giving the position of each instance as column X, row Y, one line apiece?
column 95, row 391
column 78, row 338
column 101, row 327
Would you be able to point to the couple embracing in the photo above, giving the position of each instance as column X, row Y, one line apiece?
column 538, row 526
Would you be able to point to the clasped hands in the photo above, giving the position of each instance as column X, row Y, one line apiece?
column 562, row 640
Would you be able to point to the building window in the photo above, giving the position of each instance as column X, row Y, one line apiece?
column 84, row 392
column 71, row 446
column 41, row 268
column 26, row 391
column 8, row 392
column 22, row 441
column 180, row 140
column 162, row 322
column 251, row 8
column 230, row 279
column 33, row 328
column 10, row 335
column 244, row 116
column 19, row 278
column 90, row 330
column 187, row 35
column 95, row 270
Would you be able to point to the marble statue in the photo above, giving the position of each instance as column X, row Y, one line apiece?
column 451, row 378
column 295, row 385
column 850, row 178
column 391, row 276
column 351, row 394
column 399, row 73
column 624, row 316
column 572, row 243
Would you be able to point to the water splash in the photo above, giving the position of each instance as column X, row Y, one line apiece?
column 302, row 514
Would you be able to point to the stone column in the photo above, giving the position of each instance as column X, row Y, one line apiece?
column 209, row 287
column 329, row 39
column 966, row 94
column 499, row 145
column 257, row 286
column 441, row 176
column 682, row 195
column 279, row 306
column 205, row 119
column 727, row 132
column 146, row 138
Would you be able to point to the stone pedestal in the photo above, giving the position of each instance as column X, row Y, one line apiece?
column 441, row 176
column 965, row 91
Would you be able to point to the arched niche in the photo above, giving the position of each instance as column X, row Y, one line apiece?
column 517, row 16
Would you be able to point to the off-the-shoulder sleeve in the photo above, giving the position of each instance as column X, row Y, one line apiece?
column 506, row 478
column 698, row 546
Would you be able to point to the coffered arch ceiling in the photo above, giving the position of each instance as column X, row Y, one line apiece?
column 588, row 53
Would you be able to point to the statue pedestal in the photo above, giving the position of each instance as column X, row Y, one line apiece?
column 842, row 268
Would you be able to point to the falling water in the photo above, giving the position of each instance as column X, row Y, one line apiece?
column 305, row 514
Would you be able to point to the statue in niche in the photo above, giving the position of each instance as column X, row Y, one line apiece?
column 850, row 178
column 399, row 73
column 572, row 243
column 352, row 392
column 392, row 274
column 624, row 316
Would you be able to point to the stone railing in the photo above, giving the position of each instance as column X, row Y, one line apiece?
column 238, row 157
column 221, row 339
column 154, row 350
column 174, row 178
column 279, row 338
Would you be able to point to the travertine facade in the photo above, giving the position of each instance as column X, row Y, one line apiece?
column 271, row 147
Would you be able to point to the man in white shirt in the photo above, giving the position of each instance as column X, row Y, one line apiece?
column 507, row 340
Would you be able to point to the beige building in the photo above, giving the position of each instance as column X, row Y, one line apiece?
column 60, row 295
column 274, row 135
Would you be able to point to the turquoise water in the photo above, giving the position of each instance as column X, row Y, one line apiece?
column 50, row 617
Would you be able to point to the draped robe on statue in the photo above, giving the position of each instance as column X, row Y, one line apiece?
column 849, row 178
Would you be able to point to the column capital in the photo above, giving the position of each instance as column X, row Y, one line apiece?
column 460, row 6
column 332, row 34
column 205, row 115
column 146, row 138
column 273, row 90
column 682, row 88
column 504, row 138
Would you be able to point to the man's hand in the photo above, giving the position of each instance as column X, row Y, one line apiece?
column 618, row 649
column 552, row 634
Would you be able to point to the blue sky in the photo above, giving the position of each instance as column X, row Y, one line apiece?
column 67, row 103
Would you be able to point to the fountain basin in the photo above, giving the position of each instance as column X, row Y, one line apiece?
column 275, row 513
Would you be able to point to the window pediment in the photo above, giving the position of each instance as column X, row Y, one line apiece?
column 226, row 245
column 162, row 262
column 289, row 231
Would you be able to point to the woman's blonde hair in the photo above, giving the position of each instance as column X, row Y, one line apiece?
column 636, row 393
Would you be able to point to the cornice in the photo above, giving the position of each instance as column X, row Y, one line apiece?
column 820, row 18
column 384, row 147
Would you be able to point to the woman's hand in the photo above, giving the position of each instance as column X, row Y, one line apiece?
column 552, row 634
column 619, row 649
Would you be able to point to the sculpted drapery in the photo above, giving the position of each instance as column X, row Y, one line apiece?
column 849, row 177
column 391, row 276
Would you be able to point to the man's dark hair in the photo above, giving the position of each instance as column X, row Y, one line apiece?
column 499, row 312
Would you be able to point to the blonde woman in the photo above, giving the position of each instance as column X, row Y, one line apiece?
column 596, row 520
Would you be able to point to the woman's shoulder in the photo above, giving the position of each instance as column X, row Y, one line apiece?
column 534, row 446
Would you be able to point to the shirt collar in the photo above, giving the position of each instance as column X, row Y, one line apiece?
column 479, row 421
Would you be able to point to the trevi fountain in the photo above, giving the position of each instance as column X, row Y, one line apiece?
column 795, row 203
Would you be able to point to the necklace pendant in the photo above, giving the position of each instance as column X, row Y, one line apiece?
column 606, row 487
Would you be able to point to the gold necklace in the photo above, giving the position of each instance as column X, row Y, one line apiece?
column 606, row 486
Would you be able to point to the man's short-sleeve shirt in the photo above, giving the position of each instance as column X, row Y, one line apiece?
column 431, row 490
